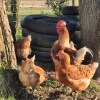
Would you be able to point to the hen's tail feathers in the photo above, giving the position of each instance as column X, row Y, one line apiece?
column 72, row 45
column 96, row 64
column 89, row 51
column 83, row 51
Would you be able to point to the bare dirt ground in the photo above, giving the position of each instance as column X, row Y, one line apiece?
column 51, row 89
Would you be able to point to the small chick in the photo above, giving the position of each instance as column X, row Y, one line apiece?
column 30, row 74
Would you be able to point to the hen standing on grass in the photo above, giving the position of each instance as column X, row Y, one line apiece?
column 63, row 43
column 22, row 47
column 77, row 77
column 30, row 74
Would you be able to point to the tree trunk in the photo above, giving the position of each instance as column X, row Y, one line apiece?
column 2, row 49
column 15, row 12
column 90, row 27
column 72, row 2
column 7, row 52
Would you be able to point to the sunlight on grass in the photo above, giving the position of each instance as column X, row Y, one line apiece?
column 9, row 98
column 95, row 86
column 25, row 12
column 52, row 82
column 19, row 34
column 35, row 11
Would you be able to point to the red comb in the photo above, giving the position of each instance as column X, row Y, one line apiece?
column 61, row 23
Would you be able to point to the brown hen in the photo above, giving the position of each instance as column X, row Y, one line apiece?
column 30, row 74
column 77, row 77
column 63, row 43
column 22, row 47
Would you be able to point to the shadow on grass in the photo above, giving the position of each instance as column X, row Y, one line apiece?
column 11, row 86
column 54, row 95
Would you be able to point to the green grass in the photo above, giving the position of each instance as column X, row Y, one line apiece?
column 19, row 34
column 95, row 86
column 35, row 11
column 10, row 87
column 52, row 82
column 9, row 98
column 25, row 12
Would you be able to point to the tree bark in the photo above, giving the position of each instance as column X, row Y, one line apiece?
column 7, row 52
column 90, row 27
column 2, row 49
column 12, row 6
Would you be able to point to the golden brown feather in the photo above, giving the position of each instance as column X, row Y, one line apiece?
column 22, row 47
column 77, row 77
column 30, row 74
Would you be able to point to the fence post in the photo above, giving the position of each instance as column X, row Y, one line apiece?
column 15, row 12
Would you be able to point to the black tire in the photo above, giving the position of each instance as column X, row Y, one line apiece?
column 46, row 66
column 45, row 60
column 71, row 25
column 41, row 54
column 73, row 17
column 38, row 48
column 76, row 19
column 70, row 10
column 47, row 25
column 76, row 37
column 40, row 39
column 35, row 17
column 22, row 24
